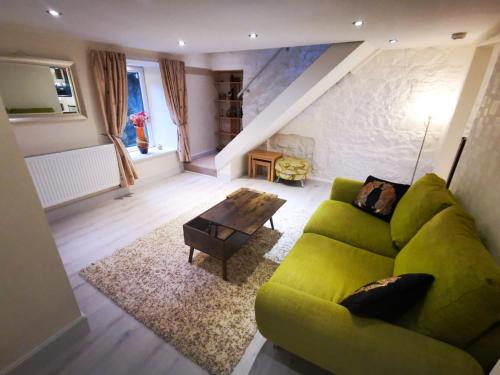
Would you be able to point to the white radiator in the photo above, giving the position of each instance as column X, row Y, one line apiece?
column 64, row 176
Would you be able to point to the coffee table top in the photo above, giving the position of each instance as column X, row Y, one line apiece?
column 244, row 210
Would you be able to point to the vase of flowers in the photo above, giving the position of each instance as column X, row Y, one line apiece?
column 139, row 120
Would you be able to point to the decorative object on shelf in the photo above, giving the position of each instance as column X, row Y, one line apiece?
column 232, row 112
column 229, row 105
column 235, row 79
column 232, row 94
column 139, row 120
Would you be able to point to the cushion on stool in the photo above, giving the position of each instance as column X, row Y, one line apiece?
column 294, row 169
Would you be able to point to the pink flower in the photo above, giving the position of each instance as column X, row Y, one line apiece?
column 139, row 119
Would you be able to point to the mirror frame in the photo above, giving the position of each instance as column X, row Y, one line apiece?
column 45, row 117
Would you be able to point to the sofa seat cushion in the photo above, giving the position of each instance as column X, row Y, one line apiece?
column 328, row 335
column 343, row 222
column 425, row 198
column 464, row 300
column 330, row 269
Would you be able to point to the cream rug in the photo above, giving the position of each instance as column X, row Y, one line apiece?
column 207, row 319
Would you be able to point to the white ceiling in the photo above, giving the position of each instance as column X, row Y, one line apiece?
column 223, row 25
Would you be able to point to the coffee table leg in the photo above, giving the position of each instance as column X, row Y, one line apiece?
column 224, row 270
column 191, row 251
column 272, row 224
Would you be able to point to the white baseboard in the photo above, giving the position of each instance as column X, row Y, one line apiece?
column 29, row 363
column 84, row 204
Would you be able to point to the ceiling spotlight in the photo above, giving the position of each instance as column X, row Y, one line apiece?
column 358, row 23
column 393, row 41
column 181, row 43
column 253, row 35
column 460, row 35
column 54, row 13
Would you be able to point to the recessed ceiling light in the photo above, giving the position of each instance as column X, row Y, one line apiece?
column 358, row 23
column 393, row 41
column 253, row 35
column 54, row 13
column 460, row 35
column 181, row 43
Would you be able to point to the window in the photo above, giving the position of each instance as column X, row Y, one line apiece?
column 137, row 102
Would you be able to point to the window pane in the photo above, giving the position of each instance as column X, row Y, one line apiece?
column 135, row 104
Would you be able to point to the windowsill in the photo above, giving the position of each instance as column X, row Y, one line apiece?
column 137, row 157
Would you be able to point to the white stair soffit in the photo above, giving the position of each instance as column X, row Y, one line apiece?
column 326, row 71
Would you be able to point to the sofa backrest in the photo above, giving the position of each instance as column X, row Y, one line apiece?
column 464, row 300
column 424, row 199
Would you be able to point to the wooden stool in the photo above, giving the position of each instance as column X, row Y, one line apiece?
column 261, row 155
column 262, row 163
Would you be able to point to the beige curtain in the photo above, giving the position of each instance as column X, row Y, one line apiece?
column 174, row 83
column 110, row 75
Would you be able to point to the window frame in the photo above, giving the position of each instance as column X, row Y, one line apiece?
column 145, row 104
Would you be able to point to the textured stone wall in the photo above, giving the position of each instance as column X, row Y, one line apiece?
column 280, row 73
column 292, row 145
column 477, row 179
column 373, row 121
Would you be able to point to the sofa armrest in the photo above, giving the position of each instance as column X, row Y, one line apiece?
column 344, row 189
column 328, row 335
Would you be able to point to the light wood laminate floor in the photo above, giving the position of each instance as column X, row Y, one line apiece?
column 117, row 344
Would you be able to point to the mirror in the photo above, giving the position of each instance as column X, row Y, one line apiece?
column 38, row 89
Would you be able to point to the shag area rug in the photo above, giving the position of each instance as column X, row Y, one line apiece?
column 206, row 318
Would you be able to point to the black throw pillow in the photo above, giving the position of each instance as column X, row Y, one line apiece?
column 388, row 299
column 379, row 197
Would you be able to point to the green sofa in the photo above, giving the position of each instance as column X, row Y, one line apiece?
column 455, row 329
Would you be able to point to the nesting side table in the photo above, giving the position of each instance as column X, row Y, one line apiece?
column 263, row 158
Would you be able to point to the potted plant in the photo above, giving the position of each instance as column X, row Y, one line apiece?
column 139, row 120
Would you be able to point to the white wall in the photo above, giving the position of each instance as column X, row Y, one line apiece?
column 477, row 178
column 373, row 121
column 37, row 138
column 36, row 298
column 202, row 109
column 28, row 86
column 160, row 165
column 468, row 103
column 45, row 137
column 326, row 71
column 280, row 73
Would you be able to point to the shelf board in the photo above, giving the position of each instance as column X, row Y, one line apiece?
column 228, row 101
column 230, row 82
column 227, row 133
column 230, row 118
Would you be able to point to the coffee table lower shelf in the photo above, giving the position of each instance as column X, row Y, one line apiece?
column 215, row 240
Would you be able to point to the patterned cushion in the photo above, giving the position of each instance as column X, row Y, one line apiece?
column 379, row 197
column 289, row 168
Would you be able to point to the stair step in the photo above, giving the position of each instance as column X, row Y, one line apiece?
column 199, row 169
column 203, row 165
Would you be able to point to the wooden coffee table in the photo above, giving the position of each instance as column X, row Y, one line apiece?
column 223, row 229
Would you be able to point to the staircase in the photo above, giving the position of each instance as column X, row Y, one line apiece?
column 203, row 165
column 326, row 71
